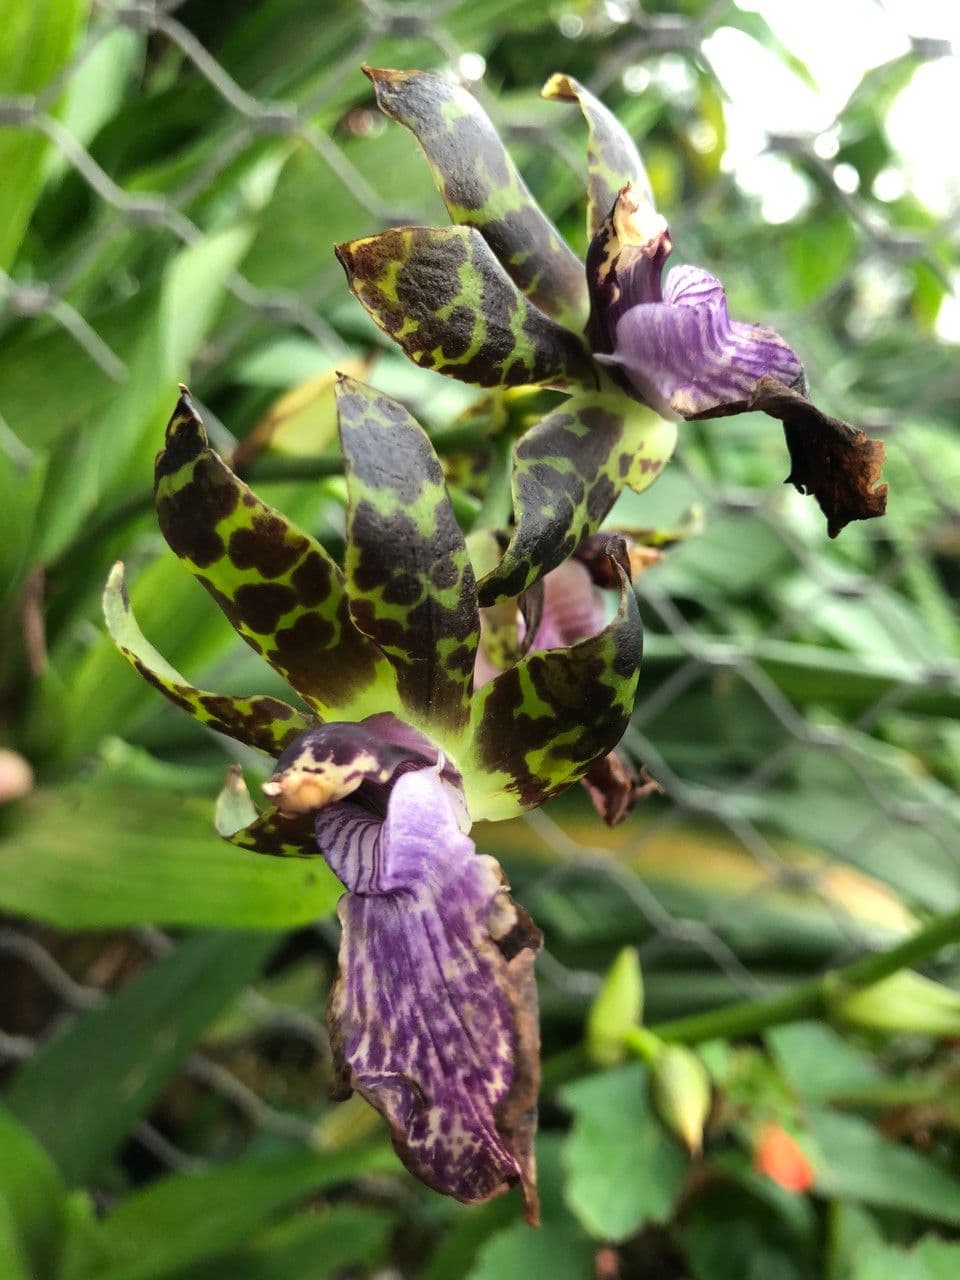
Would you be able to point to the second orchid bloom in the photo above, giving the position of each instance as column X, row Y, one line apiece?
column 392, row 755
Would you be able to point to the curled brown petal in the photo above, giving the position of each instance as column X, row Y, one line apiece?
column 839, row 464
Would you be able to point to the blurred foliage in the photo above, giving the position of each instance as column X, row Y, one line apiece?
column 173, row 188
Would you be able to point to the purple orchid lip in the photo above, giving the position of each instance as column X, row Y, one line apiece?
column 673, row 341
column 433, row 1016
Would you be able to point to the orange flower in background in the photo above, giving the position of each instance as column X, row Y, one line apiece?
column 778, row 1155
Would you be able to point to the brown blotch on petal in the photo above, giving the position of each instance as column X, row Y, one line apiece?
column 615, row 787
column 839, row 464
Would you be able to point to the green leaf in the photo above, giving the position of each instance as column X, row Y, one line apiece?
column 818, row 1063
column 931, row 1259
column 265, row 723
column 35, row 42
column 329, row 1240
column 113, row 1061
column 185, row 1220
column 410, row 580
column 568, row 471
column 728, row 1233
column 101, row 856
column 441, row 294
column 540, row 725
column 556, row 1250
column 277, row 586
column 621, row 1171
column 31, row 1204
column 481, row 187
column 118, row 446
column 852, row 1160
column 612, row 157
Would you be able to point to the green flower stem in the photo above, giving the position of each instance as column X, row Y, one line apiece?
column 643, row 1044
column 810, row 999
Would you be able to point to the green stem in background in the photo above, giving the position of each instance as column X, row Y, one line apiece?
column 263, row 470
column 809, row 999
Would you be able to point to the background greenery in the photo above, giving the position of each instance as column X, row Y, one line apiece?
column 174, row 178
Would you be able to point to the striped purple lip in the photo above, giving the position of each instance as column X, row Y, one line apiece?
column 433, row 1017
column 673, row 343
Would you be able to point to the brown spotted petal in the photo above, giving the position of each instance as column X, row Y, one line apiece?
column 613, row 158
column 265, row 723
column 839, row 464
column 411, row 584
column 539, row 726
column 277, row 586
column 433, row 1017
column 442, row 295
column 481, row 187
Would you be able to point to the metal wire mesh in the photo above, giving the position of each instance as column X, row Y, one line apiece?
column 702, row 649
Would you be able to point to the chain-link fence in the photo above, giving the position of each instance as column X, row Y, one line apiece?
column 796, row 696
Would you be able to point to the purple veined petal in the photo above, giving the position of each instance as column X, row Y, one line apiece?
column 573, row 609
column 570, row 610
column 685, row 357
column 433, row 1016
column 624, row 264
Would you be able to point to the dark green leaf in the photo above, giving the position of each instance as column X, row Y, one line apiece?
column 184, row 1220
column 112, row 1062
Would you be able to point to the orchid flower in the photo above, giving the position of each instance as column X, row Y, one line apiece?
column 499, row 300
column 386, row 763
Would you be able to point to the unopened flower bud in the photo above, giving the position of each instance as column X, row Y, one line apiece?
column 778, row 1155
column 680, row 1093
column 904, row 1002
column 616, row 1010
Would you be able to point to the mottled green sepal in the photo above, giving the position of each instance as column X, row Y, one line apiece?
column 568, row 471
column 481, row 187
column 265, row 723
column 236, row 819
column 540, row 726
column 278, row 587
column 411, row 583
column 612, row 157
column 443, row 296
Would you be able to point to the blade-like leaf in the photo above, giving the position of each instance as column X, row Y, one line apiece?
column 411, row 583
column 265, row 723
column 107, row 855
column 113, row 1062
column 31, row 1191
column 277, row 586
column 189, row 1219
column 613, row 159
column 568, row 470
column 541, row 724
column 443, row 296
column 481, row 187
